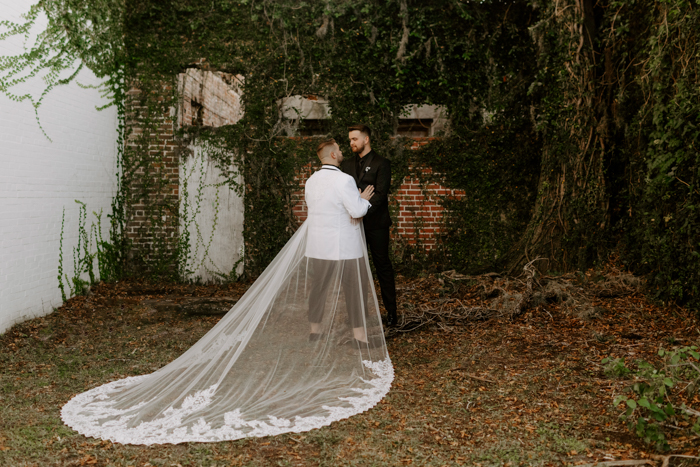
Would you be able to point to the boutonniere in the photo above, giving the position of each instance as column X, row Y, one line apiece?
column 367, row 169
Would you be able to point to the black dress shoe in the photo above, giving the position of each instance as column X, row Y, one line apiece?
column 390, row 321
column 315, row 337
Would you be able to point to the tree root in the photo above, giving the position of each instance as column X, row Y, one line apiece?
column 505, row 297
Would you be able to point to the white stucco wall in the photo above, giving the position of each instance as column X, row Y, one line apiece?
column 216, row 231
column 38, row 178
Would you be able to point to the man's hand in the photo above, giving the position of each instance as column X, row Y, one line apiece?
column 367, row 194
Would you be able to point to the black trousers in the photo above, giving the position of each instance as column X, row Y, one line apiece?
column 378, row 245
column 353, row 278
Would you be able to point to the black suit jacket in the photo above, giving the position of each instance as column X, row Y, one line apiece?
column 377, row 172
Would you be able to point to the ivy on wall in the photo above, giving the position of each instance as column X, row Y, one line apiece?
column 369, row 60
column 573, row 123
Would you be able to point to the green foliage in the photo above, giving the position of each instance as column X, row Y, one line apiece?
column 369, row 60
column 497, row 168
column 574, row 125
column 82, row 258
column 650, row 405
column 616, row 367
column 109, row 255
column 61, row 286
column 78, row 33
column 666, row 132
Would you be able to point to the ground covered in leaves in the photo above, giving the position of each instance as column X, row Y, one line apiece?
column 507, row 390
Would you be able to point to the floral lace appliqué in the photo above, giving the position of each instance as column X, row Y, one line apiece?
column 84, row 411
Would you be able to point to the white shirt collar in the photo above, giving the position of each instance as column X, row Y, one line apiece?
column 328, row 166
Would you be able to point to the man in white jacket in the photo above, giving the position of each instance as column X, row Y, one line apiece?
column 334, row 241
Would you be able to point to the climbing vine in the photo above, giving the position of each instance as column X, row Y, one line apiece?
column 573, row 123
column 661, row 149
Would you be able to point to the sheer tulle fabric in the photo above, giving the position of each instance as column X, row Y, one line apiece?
column 256, row 373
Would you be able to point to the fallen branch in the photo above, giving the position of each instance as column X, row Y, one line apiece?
column 452, row 312
column 666, row 459
column 510, row 297
column 690, row 411
column 629, row 462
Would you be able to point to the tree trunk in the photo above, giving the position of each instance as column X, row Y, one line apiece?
column 571, row 211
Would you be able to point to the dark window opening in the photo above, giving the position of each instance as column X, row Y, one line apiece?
column 414, row 127
column 313, row 127
column 197, row 113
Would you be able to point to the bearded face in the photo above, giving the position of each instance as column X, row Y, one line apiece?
column 357, row 141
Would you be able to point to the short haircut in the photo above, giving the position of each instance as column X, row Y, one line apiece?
column 364, row 129
column 320, row 150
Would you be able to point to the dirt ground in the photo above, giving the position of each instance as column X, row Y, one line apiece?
column 528, row 390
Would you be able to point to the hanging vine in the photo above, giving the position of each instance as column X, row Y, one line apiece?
column 573, row 123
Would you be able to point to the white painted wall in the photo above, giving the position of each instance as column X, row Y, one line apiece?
column 214, row 250
column 215, row 229
column 38, row 178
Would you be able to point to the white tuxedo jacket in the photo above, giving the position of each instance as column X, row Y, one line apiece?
column 335, row 215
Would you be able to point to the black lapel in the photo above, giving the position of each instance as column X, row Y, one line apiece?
column 367, row 166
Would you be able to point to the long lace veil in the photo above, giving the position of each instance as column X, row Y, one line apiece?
column 257, row 372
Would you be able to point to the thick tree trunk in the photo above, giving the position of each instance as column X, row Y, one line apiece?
column 571, row 210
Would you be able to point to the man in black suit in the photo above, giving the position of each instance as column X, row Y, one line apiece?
column 369, row 168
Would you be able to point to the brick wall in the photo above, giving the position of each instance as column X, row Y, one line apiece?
column 418, row 213
column 209, row 99
column 419, row 216
column 213, row 99
column 154, row 188
column 40, row 177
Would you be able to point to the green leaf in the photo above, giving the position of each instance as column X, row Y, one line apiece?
column 643, row 402
column 668, row 382
column 632, row 404
column 696, row 427
column 619, row 399
column 654, row 408
column 669, row 410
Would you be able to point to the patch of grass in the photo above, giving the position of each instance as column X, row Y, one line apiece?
column 557, row 441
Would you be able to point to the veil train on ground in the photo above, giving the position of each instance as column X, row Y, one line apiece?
column 258, row 372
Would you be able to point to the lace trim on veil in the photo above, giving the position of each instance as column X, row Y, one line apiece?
column 84, row 411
